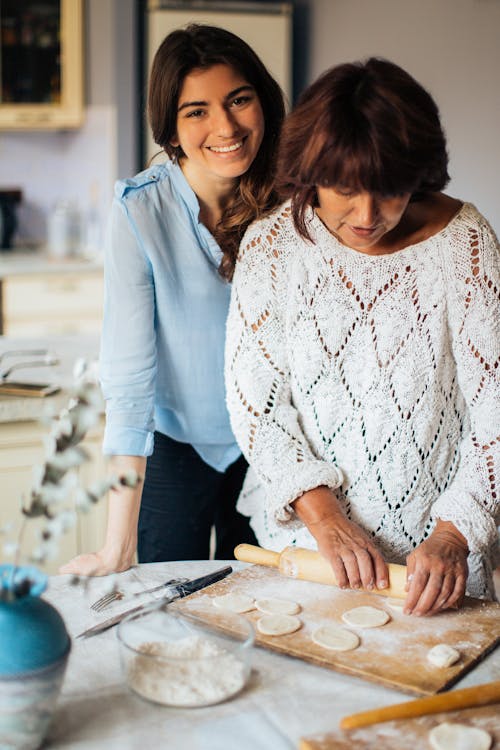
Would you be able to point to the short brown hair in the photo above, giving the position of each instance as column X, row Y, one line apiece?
column 202, row 46
column 366, row 126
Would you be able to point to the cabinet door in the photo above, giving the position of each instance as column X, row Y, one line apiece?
column 41, row 64
column 52, row 303
column 22, row 449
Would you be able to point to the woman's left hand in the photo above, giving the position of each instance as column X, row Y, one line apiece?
column 437, row 572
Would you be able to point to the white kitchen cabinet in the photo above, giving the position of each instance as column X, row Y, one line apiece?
column 52, row 303
column 21, row 449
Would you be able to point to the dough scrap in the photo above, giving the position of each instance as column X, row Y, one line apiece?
column 234, row 602
column 278, row 624
column 443, row 655
column 366, row 617
column 277, row 606
column 335, row 637
column 448, row 736
column 396, row 604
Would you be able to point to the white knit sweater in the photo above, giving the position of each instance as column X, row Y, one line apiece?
column 378, row 376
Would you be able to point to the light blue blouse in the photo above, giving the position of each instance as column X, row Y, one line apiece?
column 165, row 309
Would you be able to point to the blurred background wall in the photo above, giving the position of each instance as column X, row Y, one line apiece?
column 450, row 46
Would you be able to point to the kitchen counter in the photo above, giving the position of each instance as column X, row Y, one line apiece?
column 67, row 349
column 285, row 700
column 35, row 261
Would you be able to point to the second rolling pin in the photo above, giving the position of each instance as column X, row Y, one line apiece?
column 309, row 565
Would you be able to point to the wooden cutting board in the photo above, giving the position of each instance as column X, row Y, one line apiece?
column 412, row 733
column 393, row 655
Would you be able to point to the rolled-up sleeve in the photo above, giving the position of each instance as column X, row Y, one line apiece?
column 128, row 344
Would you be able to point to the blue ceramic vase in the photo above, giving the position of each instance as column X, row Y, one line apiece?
column 34, row 649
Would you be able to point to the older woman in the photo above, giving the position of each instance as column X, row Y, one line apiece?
column 364, row 343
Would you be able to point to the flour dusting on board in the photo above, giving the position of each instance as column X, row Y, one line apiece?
column 394, row 654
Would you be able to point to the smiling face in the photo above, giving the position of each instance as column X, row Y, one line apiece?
column 363, row 221
column 220, row 124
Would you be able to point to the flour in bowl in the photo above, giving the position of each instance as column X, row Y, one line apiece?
column 192, row 671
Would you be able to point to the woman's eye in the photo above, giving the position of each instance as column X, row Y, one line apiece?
column 240, row 100
column 195, row 113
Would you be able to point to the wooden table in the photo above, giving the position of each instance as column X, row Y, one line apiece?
column 286, row 699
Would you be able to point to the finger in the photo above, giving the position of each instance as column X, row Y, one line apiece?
column 410, row 572
column 83, row 565
column 417, row 581
column 366, row 566
column 339, row 572
column 429, row 595
column 443, row 599
column 381, row 571
column 457, row 596
column 350, row 560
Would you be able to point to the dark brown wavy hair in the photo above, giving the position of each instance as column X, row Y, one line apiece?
column 365, row 126
column 200, row 46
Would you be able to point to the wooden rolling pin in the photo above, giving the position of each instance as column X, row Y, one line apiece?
column 480, row 695
column 309, row 565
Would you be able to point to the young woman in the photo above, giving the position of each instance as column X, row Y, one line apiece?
column 173, row 238
column 363, row 347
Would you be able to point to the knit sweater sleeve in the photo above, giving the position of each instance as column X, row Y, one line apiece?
column 472, row 500
column 259, row 394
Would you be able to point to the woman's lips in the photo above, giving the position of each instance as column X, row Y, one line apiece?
column 228, row 149
column 363, row 231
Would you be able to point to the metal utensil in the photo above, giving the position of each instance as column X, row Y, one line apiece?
column 116, row 594
column 47, row 361
column 178, row 591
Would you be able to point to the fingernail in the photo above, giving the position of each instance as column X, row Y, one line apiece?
column 370, row 586
column 382, row 584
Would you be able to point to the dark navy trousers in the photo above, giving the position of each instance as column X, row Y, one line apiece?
column 182, row 499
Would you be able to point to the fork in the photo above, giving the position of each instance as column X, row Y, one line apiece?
column 116, row 594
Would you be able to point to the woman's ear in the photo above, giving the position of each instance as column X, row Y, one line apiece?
column 174, row 142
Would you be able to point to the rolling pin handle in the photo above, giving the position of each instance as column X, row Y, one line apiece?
column 252, row 554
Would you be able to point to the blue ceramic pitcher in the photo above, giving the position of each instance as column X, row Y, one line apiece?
column 34, row 649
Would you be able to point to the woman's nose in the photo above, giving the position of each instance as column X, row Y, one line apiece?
column 366, row 210
column 225, row 124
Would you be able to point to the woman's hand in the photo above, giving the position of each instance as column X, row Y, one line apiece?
column 99, row 563
column 437, row 572
column 355, row 560
column 118, row 552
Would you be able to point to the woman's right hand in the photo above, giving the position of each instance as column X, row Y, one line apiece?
column 355, row 560
column 98, row 563
column 118, row 551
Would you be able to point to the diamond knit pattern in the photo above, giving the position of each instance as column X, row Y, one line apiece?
column 377, row 376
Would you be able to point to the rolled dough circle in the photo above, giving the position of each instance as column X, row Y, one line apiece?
column 366, row 617
column 278, row 624
column 234, row 602
column 277, row 606
column 335, row 638
column 448, row 736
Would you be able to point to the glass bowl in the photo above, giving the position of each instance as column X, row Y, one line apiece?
column 179, row 660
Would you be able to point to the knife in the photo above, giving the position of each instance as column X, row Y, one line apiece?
column 179, row 590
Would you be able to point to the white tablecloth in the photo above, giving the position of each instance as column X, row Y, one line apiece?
column 285, row 699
